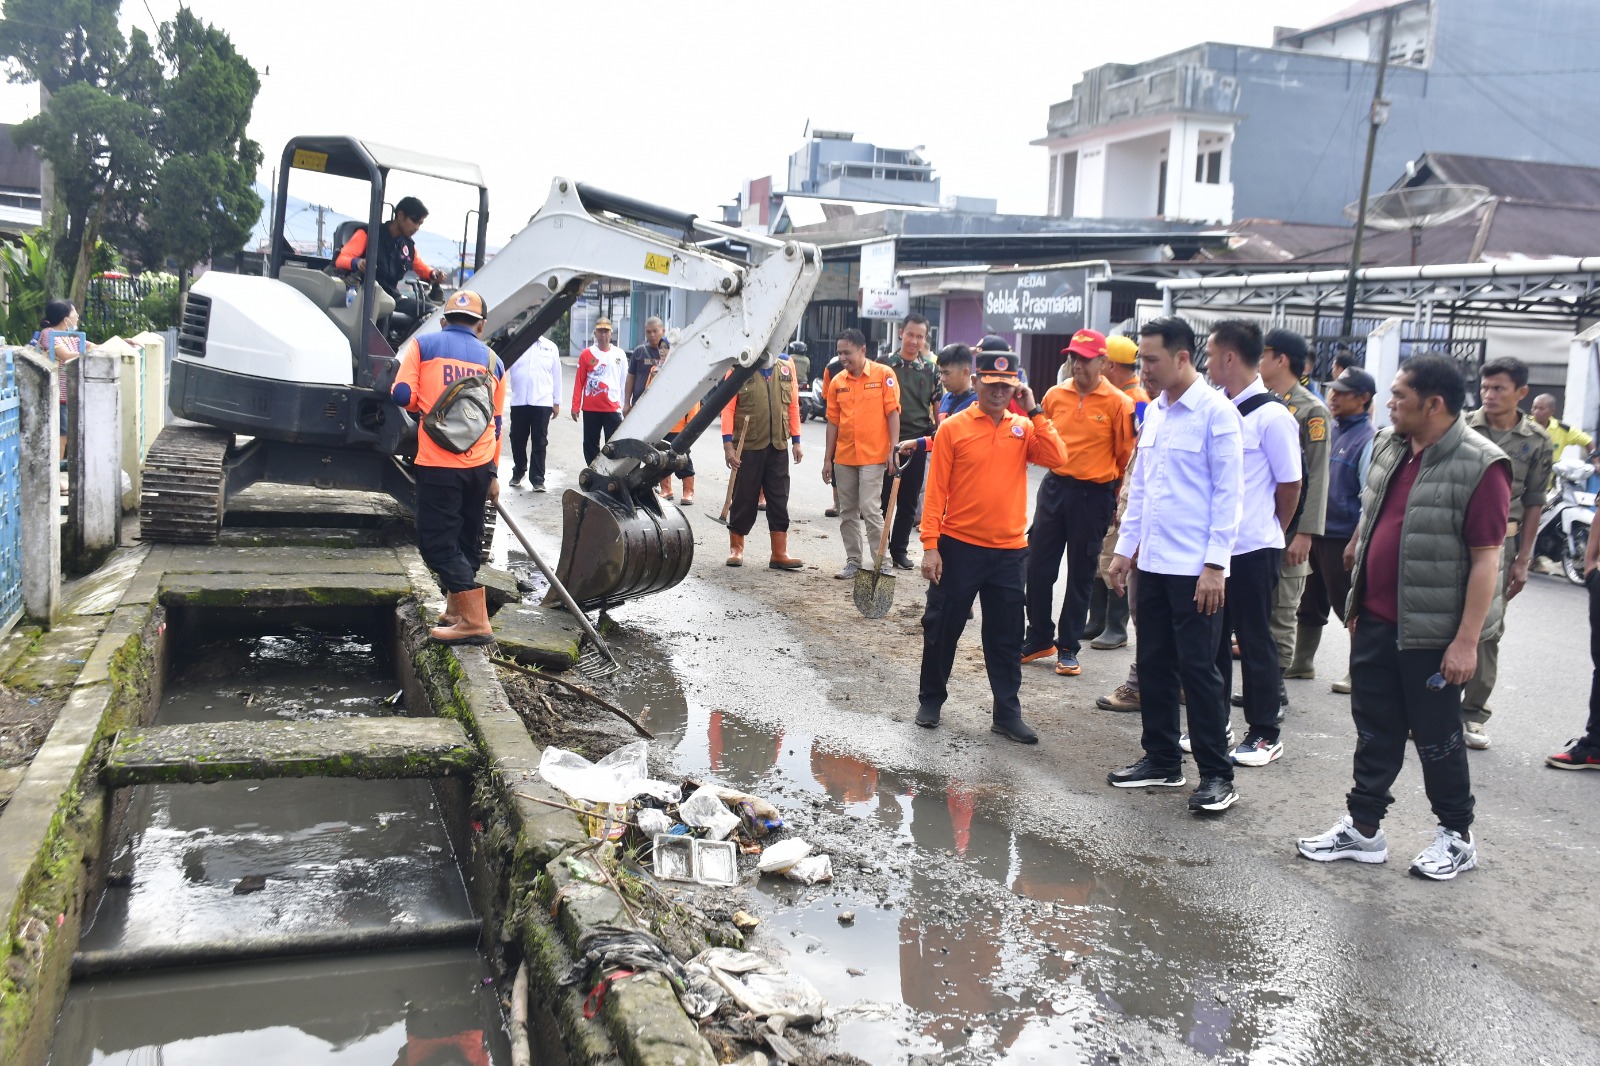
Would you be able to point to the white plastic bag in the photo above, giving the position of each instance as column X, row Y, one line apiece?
column 617, row 778
column 761, row 987
column 652, row 822
column 705, row 809
column 810, row 870
column 782, row 855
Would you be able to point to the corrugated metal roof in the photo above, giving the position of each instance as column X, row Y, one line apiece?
column 1513, row 179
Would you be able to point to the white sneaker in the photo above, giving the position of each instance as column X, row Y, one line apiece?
column 1475, row 735
column 1183, row 741
column 1344, row 841
column 1256, row 750
column 1449, row 854
column 848, row 573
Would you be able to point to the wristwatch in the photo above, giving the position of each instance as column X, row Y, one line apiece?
column 1036, row 412
column 1213, row 566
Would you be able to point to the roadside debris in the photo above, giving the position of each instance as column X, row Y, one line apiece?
column 617, row 778
column 760, row 986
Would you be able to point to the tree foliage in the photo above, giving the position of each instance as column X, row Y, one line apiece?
column 147, row 142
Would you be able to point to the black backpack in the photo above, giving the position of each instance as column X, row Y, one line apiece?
column 1254, row 403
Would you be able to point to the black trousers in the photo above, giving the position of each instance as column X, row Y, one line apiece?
column 1070, row 516
column 596, row 423
column 1329, row 586
column 450, row 508
column 905, row 509
column 761, row 470
column 530, row 434
column 994, row 577
column 1592, row 731
column 1389, row 700
column 1247, row 613
column 1174, row 654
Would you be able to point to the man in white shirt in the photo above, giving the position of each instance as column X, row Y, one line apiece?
column 1180, row 523
column 535, row 398
column 1267, row 505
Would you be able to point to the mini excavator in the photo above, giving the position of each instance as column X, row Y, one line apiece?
column 283, row 378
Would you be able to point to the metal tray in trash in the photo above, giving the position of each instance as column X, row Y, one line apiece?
column 674, row 858
column 716, row 862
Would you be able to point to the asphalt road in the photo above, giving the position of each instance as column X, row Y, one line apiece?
column 1344, row 962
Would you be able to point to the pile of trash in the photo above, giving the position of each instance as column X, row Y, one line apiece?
column 696, row 838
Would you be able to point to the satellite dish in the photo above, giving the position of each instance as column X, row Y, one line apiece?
column 1419, row 207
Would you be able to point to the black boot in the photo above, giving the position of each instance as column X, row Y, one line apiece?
column 1115, row 633
column 1098, row 595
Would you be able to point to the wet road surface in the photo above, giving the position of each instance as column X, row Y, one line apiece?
column 1010, row 907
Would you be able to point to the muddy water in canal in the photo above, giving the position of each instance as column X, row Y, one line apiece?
column 198, row 864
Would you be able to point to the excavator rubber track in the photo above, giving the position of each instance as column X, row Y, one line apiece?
column 181, row 495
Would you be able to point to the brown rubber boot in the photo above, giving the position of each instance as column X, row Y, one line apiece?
column 665, row 488
column 780, row 554
column 688, row 490
column 735, row 549
column 451, row 615
column 474, row 626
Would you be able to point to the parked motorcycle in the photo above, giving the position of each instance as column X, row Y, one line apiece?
column 812, row 404
column 1568, row 513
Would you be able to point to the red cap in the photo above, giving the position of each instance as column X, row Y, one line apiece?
column 1089, row 343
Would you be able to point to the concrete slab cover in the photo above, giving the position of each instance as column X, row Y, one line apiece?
column 537, row 636
column 347, row 747
column 220, row 559
column 283, row 589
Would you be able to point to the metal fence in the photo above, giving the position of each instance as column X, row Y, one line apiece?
column 118, row 306
column 10, row 497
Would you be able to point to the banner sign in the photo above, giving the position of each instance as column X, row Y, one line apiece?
column 886, row 303
column 1036, row 301
column 877, row 265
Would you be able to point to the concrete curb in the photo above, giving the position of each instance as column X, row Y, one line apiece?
column 644, row 1025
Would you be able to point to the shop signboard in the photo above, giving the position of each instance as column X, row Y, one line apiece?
column 886, row 303
column 1035, row 301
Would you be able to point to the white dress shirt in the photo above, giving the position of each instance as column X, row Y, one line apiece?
column 1183, row 502
column 536, row 376
column 1271, row 458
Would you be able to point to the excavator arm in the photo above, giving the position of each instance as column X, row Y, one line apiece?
column 619, row 541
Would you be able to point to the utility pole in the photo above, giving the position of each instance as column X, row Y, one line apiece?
column 1379, row 115
column 323, row 211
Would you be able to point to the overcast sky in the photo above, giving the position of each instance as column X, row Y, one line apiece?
column 680, row 103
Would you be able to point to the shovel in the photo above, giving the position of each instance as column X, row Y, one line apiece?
column 874, row 591
column 733, row 475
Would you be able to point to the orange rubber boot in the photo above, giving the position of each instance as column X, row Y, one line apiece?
column 474, row 626
column 451, row 615
column 780, row 554
column 688, row 490
column 735, row 549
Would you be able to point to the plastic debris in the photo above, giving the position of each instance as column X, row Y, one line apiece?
column 706, row 810
column 716, row 863
column 652, row 822
column 782, row 855
column 759, row 816
column 607, row 947
column 617, row 778
column 810, row 870
column 760, row 986
column 673, row 858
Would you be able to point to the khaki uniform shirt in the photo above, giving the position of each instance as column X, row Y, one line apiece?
column 1316, row 426
column 1528, row 447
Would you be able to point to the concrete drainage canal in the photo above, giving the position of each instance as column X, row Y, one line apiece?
column 266, row 918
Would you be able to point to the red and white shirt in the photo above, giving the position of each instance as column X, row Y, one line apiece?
column 599, row 382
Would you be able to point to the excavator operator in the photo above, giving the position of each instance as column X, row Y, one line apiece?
column 397, row 253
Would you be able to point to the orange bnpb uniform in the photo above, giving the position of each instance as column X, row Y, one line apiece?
column 860, row 407
column 978, row 477
column 429, row 365
column 1097, row 430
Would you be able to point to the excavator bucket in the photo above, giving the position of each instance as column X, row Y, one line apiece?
column 613, row 550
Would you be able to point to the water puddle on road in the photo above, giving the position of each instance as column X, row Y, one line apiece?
column 953, row 933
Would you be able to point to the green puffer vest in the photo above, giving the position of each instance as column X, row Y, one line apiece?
column 1434, row 558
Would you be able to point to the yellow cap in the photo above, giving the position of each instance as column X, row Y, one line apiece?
column 1124, row 350
column 604, row 323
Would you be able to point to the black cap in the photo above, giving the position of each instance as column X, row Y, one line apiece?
column 1354, row 379
column 1287, row 342
column 995, row 362
column 797, row 348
